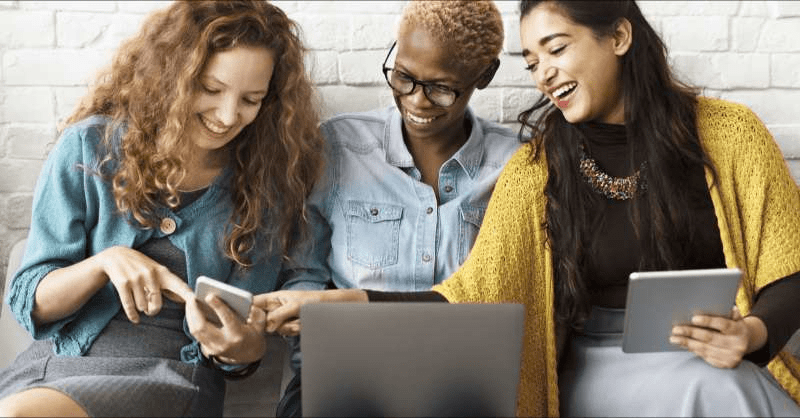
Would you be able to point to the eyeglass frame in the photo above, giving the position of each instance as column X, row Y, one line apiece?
column 428, row 84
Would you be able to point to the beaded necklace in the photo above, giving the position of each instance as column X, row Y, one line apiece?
column 617, row 188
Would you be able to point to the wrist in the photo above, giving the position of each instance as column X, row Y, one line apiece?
column 757, row 333
column 345, row 295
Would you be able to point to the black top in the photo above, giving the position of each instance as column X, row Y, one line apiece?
column 614, row 252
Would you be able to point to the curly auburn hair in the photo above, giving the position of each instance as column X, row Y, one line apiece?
column 475, row 28
column 149, row 89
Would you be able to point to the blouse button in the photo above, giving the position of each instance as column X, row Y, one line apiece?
column 168, row 226
column 374, row 211
column 429, row 210
column 448, row 188
column 426, row 258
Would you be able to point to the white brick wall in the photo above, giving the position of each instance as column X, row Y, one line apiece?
column 746, row 51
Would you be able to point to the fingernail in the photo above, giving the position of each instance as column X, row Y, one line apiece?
column 674, row 340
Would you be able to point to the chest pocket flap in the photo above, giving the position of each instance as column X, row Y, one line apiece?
column 374, row 212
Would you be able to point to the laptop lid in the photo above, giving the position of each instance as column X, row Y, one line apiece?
column 410, row 359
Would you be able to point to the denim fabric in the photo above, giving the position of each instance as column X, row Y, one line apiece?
column 74, row 217
column 376, row 225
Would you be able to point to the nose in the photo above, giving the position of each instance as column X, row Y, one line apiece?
column 545, row 75
column 228, row 111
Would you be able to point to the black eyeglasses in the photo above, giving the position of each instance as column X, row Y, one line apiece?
column 438, row 94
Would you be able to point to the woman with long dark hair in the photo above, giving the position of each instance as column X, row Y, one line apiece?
column 192, row 155
column 627, row 169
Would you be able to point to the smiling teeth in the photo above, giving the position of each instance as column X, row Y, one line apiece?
column 561, row 91
column 417, row 119
column 213, row 127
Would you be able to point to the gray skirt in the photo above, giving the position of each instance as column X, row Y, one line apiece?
column 596, row 378
column 130, row 370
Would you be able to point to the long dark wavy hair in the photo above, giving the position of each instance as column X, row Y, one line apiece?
column 150, row 87
column 661, row 125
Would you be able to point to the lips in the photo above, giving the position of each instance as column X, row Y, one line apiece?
column 562, row 93
column 213, row 127
column 419, row 120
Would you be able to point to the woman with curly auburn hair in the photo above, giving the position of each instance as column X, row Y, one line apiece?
column 192, row 155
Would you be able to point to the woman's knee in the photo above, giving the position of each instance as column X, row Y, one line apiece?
column 40, row 402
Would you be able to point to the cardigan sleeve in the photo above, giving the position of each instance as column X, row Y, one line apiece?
column 58, row 233
column 757, row 197
column 503, row 254
column 510, row 262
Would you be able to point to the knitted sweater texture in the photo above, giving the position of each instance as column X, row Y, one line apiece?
column 756, row 201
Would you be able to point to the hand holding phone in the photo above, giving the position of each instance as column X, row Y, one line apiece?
column 239, row 300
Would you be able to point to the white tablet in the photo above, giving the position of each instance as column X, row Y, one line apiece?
column 658, row 300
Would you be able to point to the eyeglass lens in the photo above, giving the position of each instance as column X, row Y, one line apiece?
column 403, row 84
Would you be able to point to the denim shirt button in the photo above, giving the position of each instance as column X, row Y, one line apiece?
column 448, row 189
column 426, row 258
column 168, row 226
column 374, row 211
column 429, row 210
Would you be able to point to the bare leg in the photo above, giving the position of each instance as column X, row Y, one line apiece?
column 40, row 402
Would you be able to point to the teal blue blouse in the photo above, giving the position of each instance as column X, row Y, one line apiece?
column 74, row 217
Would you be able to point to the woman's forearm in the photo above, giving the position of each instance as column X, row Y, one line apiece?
column 344, row 295
column 63, row 291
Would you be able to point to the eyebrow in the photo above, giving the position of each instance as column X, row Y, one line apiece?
column 544, row 41
column 215, row 79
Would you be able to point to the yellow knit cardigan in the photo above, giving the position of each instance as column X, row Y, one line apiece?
column 757, row 205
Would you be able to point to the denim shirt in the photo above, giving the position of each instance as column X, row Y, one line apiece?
column 376, row 225
column 74, row 217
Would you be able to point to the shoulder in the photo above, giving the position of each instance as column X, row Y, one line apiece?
column 497, row 142
column 80, row 141
column 86, row 132
column 717, row 118
column 729, row 128
column 357, row 128
column 522, row 171
column 499, row 136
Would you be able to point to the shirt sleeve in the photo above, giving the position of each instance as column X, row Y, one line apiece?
column 426, row 296
column 307, row 267
column 776, row 305
column 58, row 232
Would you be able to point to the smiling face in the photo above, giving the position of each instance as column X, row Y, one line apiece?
column 231, row 88
column 579, row 72
column 424, row 58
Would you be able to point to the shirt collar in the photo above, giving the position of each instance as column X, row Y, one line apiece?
column 469, row 156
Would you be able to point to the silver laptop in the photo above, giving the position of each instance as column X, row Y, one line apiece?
column 411, row 359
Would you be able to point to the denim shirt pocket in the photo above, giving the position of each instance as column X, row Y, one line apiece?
column 373, row 233
column 471, row 220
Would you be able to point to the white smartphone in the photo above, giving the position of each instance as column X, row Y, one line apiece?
column 239, row 300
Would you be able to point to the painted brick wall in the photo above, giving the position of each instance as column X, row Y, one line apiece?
column 746, row 51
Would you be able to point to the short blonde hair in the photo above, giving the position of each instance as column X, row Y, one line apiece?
column 474, row 28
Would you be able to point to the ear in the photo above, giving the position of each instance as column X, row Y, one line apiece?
column 623, row 37
column 488, row 75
